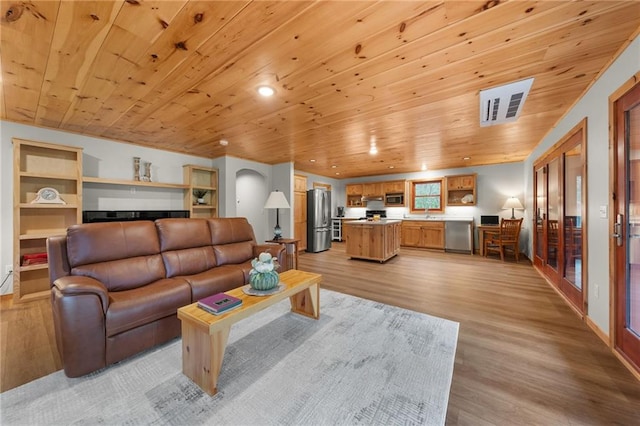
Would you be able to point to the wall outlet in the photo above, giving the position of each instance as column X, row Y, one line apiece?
column 597, row 291
column 8, row 269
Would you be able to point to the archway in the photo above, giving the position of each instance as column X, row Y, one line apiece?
column 251, row 194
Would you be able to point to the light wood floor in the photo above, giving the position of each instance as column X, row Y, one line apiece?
column 523, row 356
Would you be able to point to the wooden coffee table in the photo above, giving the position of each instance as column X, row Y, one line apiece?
column 204, row 336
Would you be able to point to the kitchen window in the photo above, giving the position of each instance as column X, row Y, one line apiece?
column 426, row 196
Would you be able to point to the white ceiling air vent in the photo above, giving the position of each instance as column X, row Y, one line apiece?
column 503, row 104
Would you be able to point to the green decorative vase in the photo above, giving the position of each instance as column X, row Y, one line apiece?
column 263, row 281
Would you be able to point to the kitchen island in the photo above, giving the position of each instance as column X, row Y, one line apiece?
column 372, row 239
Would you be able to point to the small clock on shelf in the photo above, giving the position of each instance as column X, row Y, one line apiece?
column 48, row 196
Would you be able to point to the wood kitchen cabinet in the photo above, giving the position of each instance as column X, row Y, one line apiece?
column 300, row 211
column 423, row 234
column 393, row 187
column 372, row 240
column 461, row 190
column 354, row 195
column 300, row 183
column 372, row 189
column 354, row 189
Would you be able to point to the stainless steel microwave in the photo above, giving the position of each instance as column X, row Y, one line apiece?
column 394, row 199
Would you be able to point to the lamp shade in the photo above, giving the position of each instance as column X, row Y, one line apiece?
column 513, row 203
column 276, row 200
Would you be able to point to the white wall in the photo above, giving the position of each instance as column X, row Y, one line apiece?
column 595, row 106
column 251, row 194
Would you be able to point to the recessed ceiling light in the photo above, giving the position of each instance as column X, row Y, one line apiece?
column 466, row 158
column 391, row 167
column 334, row 166
column 266, row 91
column 313, row 161
column 337, row 173
column 424, row 167
column 224, row 142
column 373, row 150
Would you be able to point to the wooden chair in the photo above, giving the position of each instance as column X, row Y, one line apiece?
column 506, row 238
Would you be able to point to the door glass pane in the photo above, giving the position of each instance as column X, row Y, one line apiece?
column 573, row 216
column 541, row 211
column 553, row 215
column 633, row 213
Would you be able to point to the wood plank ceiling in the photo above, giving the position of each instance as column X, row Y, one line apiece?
column 182, row 75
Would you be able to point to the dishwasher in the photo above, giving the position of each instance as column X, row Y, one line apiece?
column 457, row 236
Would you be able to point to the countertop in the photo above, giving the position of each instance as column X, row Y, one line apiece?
column 440, row 219
column 374, row 222
column 417, row 218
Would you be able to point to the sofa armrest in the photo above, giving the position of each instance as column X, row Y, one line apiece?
column 79, row 305
column 57, row 257
column 78, row 285
column 276, row 250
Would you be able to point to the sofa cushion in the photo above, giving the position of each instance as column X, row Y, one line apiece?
column 233, row 253
column 132, row 308
column 103, row 242
column 186, row 246
column 124, row 274
column 177, row 234
column 217, row 280
column 230, row 230
column 188, row 261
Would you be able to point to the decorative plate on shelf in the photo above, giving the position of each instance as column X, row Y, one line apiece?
column 48, row 196
column 467, row 199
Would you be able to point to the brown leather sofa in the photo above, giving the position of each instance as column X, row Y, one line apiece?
column 116, row 286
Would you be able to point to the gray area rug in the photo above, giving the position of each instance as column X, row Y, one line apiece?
column 362, row 362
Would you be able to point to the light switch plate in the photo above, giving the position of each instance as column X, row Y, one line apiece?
column 604, row 211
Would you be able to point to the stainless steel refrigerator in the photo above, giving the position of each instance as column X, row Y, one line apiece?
column 318, row 220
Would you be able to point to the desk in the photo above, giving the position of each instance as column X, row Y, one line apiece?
column 482, row 229
column 292, row 258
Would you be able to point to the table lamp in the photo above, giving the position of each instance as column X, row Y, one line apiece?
column 513, row 203
column 277, row 201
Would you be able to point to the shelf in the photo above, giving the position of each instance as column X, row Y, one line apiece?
column 46, row 176
column 39, row 165
column 205, row 179
column 34, row 267
column 29, row 297
column 43, row 234
column 103, row 181
column 48, row 206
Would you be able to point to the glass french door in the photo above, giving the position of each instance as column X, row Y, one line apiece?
column 540, row 224
column 626, row 232
column 558, row 243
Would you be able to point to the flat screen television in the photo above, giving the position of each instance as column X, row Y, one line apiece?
column 91, row 216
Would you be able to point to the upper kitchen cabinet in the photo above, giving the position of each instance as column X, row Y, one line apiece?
column 393, row 187
column 300, row 183
column 461, row 190
column 47, row 199
column 372, row 189
column 300, row 211
column 354, row 195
